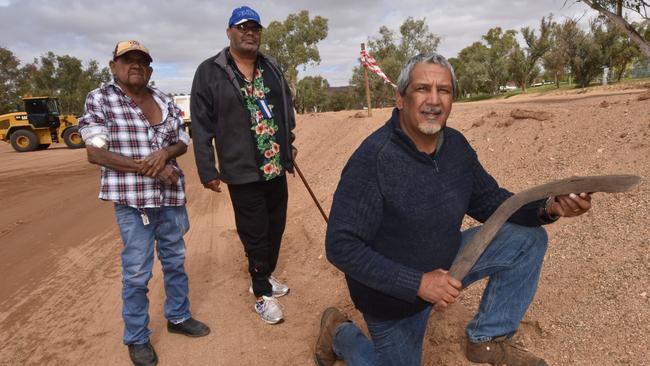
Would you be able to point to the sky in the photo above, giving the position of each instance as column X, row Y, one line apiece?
column 180, row 34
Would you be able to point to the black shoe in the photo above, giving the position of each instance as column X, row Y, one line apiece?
column 143, row 354
column 189, row 327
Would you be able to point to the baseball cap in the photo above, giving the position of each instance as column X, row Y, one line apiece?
column 123, row 47
column 244, row 14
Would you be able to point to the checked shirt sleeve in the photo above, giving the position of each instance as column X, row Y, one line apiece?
column 93, row 121
column 183, row 136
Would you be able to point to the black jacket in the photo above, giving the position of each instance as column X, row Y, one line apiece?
column 219, row 115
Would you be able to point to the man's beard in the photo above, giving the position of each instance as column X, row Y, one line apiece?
column 429, row 128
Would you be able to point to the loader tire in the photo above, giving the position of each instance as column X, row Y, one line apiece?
column 24, row 140
column 72, row 138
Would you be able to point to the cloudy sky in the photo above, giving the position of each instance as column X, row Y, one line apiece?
column 182, row 33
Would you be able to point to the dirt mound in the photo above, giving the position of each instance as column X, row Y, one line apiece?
column 529, row 114
column 644, row 96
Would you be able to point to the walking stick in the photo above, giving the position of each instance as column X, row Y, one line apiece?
column 302, row 177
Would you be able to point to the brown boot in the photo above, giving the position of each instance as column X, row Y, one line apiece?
column 501, row 351
column 324, row 353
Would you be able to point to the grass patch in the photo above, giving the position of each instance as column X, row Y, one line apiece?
column 476, row 98
column 543, row 89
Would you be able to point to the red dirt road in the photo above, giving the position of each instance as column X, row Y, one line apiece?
column 60, row 277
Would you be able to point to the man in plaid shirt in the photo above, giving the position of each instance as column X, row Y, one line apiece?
column 134, row 133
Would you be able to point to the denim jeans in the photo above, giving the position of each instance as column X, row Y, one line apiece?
column 166, row 228
column 513, row 261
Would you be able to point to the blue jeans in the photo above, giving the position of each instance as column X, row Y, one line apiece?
column 513, row 261
column 167, row 225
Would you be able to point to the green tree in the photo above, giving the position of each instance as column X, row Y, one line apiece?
column 523, row 64
column 9, row 72
column 500, row 47
column 293, row 43
column 340, row 100
column 416, row 38
column 581, row 51
column 613, row 10
column 617, row 50
column 555, row 60
column 471, row 70
column 391, row 54
column 63, row 77
column 311, row 94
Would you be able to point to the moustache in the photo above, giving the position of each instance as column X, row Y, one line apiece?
column 432, row 109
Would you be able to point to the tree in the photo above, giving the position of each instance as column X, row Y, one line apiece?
column 471, row 69
column 416, row 38
column 340, row 100
column 523, row 65
column 581, row 52
column 63, row 77
column 293, row 43
column 586, row 65
column 391, row 55
column 9, row 71
column 500, row 47
column 555, row 60
column 311, row 94
column 617, row 50
column 613, row 10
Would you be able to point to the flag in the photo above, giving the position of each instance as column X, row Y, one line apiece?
column 370, row 63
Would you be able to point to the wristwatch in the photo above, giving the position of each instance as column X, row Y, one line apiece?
column 544, row 213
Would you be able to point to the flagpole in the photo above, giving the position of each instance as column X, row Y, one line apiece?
column 365, row 74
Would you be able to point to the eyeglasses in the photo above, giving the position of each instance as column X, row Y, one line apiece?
column 245, row 27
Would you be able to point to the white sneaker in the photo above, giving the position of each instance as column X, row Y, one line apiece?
column 279, row 288
column 269, row 310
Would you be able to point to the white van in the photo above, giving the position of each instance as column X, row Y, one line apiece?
column 183, row 102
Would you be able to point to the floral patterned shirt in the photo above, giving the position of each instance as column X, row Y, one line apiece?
column 258, row 101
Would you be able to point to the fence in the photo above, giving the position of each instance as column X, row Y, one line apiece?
column 640, row 70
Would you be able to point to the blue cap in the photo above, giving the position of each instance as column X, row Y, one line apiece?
column 243, row 14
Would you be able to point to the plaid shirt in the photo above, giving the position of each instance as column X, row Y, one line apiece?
column 112, row 113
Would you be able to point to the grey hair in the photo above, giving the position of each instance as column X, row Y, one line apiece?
column 432, row 58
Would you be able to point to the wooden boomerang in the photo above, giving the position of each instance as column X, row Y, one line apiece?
column 472, row 251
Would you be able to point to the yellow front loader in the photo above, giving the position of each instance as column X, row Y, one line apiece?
column 39, row 126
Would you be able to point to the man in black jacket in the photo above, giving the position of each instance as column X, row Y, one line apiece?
column 241, row 104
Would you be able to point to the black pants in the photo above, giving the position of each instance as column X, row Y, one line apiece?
column 260, row 217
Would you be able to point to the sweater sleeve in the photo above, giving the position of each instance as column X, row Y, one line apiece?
column 487, row 196
column 203, row 127
column 355, row 219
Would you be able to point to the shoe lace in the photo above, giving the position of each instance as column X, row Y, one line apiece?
column 270, row 301
column 274, row 281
